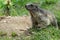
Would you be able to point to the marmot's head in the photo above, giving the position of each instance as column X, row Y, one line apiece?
column 31, row 7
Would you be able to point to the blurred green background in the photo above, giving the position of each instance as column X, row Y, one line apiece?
column 16, row 7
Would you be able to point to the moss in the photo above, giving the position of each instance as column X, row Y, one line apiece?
column 13, row 34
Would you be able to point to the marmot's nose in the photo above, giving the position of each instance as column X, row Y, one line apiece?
column 25, row 6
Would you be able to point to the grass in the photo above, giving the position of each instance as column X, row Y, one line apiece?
column 49, row 33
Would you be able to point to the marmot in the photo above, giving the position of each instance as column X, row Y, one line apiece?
column 41, row 18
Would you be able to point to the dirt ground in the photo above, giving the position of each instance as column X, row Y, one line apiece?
column 15, row 24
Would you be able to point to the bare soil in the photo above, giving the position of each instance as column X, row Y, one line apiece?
column 15, row 24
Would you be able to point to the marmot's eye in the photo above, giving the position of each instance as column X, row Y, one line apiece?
column 31, row 5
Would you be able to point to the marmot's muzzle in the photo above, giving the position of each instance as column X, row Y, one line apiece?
column 26, row 6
